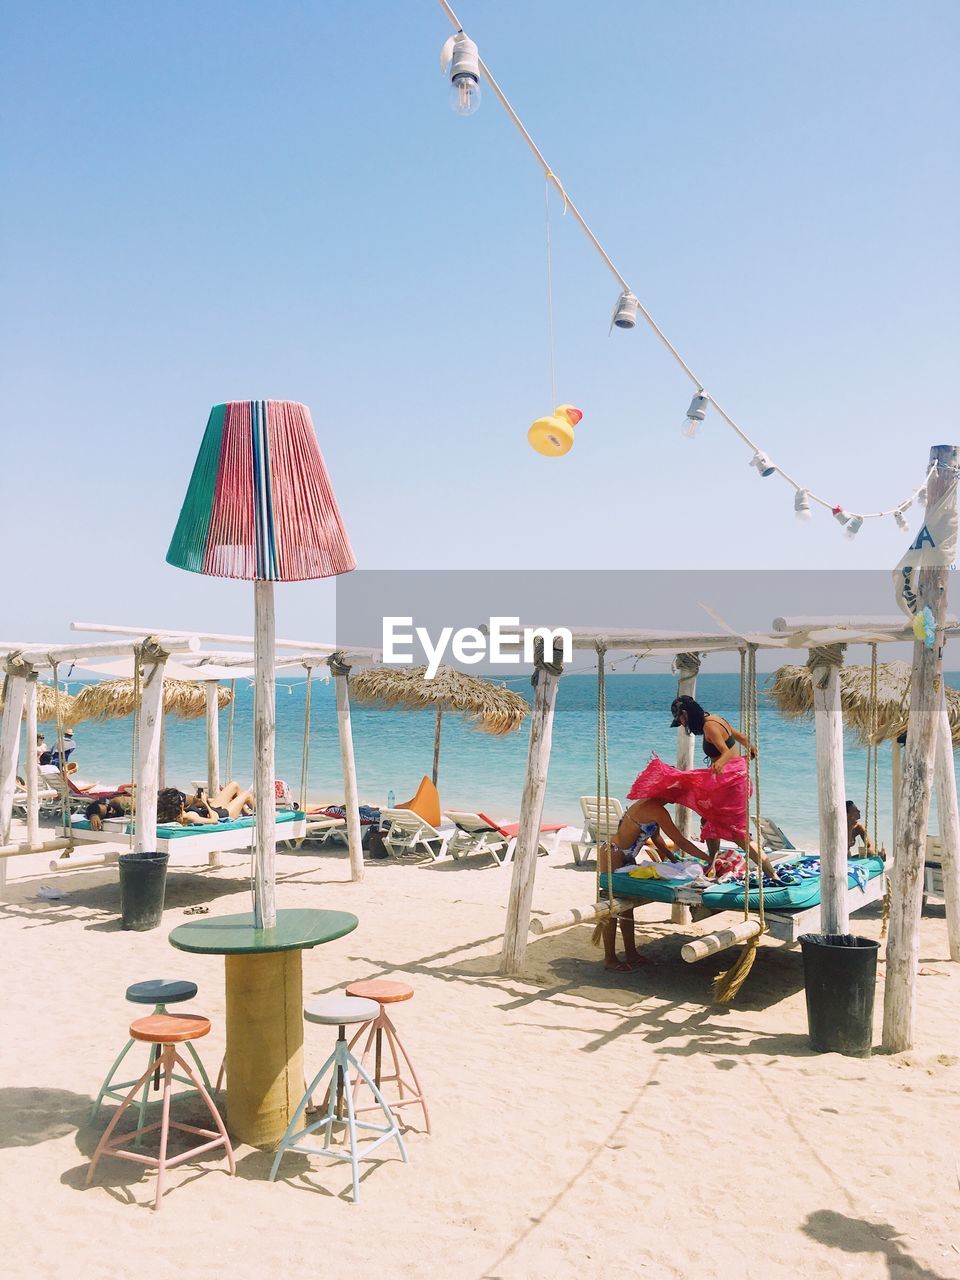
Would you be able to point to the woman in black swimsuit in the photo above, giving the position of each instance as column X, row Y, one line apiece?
column 230, row 802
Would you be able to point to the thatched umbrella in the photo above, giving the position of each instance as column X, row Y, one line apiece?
column 114, row 699
column 489, row 707
column 792, row 693
column 47, row 702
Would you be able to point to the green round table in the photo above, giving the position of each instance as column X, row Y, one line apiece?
column 264, row 985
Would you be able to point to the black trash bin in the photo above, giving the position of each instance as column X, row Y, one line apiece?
column 143, row 880
column 840, row 976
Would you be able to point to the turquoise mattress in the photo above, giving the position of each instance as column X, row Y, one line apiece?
column 729, row 897
column 173, row 830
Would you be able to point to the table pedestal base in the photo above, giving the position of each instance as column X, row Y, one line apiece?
column 264, row 1044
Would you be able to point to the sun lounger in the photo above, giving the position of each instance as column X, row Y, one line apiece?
column 476, row 833
column 406, row 833
column 596, row 828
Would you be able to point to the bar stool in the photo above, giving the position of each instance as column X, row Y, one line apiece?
column 384, row 992
column 339, row 1012
column 165, row 1030
column 159, row 992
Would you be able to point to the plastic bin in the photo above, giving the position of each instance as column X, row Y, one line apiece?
column 143, row 882
column 840, row 977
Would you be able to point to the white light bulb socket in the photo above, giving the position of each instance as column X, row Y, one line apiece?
column 625, row 312
column 853, row 527
column 463, row 58
column 762, row 464
column 801, row 504
column 841, row 517
column 901, row 520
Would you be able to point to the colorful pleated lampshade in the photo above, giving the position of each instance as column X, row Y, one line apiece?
column 260, row 504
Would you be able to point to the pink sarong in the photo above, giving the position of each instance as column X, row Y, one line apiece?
column 719, row 798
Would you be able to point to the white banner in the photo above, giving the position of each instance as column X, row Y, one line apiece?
column 934, row 547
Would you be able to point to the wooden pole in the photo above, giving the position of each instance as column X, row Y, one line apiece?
column 686, row 666
column 149, row 731
column 825, row 667
column 162, row 755
column 926, row 694
column 348, row 765
column 949, row 820
column 547, row 676
column 897, row 780
column 9, row 751
column 264, row 770
column 30, row 766
column 436, row 744
column 211, row 689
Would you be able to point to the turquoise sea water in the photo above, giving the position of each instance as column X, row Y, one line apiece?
column 395, row 748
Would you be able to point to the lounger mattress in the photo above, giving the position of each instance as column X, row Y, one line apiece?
column 173, row 830
column 728, row 897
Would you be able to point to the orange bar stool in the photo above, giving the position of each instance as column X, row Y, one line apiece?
column 166, row 1030
column 408, row 1092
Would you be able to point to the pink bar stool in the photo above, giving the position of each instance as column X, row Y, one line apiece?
column 385, row 992
column 166, row 1031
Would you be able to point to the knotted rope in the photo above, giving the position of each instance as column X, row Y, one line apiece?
column 305, row 754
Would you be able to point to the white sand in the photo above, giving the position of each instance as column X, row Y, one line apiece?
column 583, row 1122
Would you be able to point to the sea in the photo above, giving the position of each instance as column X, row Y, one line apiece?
column 394, row 749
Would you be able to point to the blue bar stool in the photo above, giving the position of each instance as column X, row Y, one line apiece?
column 158, row 992
column 340, row 1012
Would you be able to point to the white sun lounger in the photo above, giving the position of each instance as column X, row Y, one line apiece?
column 195, row 841
column 596, row 828
column 406, row 833
column 476, row 833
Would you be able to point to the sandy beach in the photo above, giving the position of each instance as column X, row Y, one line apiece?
column 582, row 1121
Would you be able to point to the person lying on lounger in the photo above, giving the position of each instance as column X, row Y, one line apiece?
column 200, row 810
column 640, row 833
column 97, row 810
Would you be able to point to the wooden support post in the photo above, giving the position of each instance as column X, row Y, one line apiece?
column 436, row 744
column 824, row 667
column 162, row 753
column 211, row 689
column 348, row 765
column 926, row 694
column 9, row 751
column 949, row 820
column 547, row 676
column 264, row 768
column 897, row 782
column 149, row 730
column 30, row 765
column 686, row 666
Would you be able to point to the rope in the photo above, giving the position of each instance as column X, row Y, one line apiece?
column 603, row 775
column 135, row 738
column 871, row 804
column 305, row 755
column 698, row 383
column 229, row 756
column 550, row 324
column 554, row 667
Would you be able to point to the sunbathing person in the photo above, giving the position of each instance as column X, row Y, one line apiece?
column 97, row 810
column 641, row 832
column 856, row 830
column 200, row 810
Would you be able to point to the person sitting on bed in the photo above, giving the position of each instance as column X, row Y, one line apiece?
column 97, row 810
column 640, row 834
column 200, row 810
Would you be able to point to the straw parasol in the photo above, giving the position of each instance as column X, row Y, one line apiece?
column 492, row 708
column 792, row 693
column 114, row 699
column 47, row 702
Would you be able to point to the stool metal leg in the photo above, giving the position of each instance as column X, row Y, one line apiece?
column 105, row 1087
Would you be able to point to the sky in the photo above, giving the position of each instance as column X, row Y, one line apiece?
column 242, row 200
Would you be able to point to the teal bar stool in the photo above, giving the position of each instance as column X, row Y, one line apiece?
column 158, row 992
column 339, row 1111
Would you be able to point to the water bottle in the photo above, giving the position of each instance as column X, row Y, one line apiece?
column 391, row 799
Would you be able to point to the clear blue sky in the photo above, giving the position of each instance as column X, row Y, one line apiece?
column 230, row 200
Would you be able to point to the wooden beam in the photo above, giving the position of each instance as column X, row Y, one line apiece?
column 531, row 816
column 926, row 693
column 211, row 689
column 720, row 940
column 218, row 637
column 949, row 820
column 9, row 751
column 825, row 676
column 579, row 915
column 149, row 730
column 264, row 765
column 40, row 656
column 348, row 765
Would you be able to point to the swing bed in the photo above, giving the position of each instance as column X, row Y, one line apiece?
column 782, row 911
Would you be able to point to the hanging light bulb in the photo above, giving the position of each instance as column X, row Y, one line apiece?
column 841, row 516
column 921, row 495
column 625, row 312
column 762, row 464
column 853, row 527
column 801, row 504
column 695, row 414
column 901, row 519
column 460, row 61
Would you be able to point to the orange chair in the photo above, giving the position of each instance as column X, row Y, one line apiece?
column 426, row 803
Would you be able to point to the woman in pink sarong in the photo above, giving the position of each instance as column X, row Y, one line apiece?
column 718, row 793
